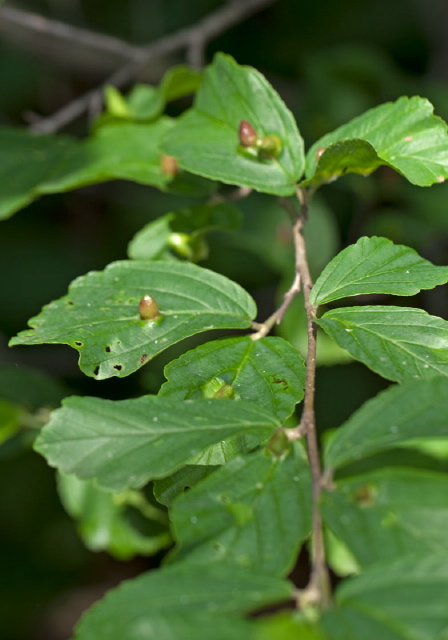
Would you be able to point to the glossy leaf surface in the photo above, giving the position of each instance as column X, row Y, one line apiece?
column 254, row 512
column 398, row 343
column 376, row 265
column 414, row 409
column 100, row 314
column 205, row 139
column 124, row 444
column 404, row 135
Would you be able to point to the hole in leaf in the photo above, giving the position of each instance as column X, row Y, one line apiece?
column 79, row 344
column 96, row 370
column 108, row 349
column 118, row 367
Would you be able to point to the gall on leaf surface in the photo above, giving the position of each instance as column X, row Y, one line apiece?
column 269, row 372
column 404, row 135
column 206, row 141
column 100, row 316
column 376, row 265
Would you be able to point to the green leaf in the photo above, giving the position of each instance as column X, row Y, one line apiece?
column 26, row 161
column 121, row 151
column 144, row 102
column 31, row 166
column 206, row 139
column 178, row 602
column 126, row 443
column 268, row 372
column 389, row 513
column 153, row 241
column 410, row 591
column 104, row 519
column 167, row 489
column 180, row 81
column 404, row 135
column 376, row 265
column 353, row 623
column 398, row 343
column 100, row 314
column 254, row 512
column 414, row 409
column 287, row 626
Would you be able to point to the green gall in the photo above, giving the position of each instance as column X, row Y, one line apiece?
column 269, row 146
column 279, row 444
column 148, row 308
column 247, row 134
column 226, row 391
column 181, row 244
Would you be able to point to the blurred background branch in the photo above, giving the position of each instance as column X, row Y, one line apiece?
column 193, row 39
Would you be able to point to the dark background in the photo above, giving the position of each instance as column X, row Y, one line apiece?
column 330, row 61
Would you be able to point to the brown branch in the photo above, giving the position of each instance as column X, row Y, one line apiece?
column 204, row 31
column 319, row 584
column 61, row 30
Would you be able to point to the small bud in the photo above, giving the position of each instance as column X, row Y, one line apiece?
column 247, row 134
column 319, row 152
column 168, row 165
column 269, row 146
column 148, row 308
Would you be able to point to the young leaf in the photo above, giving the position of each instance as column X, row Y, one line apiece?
column 376, row 265
column 389, row 513
column 100, row 314
column 178, row 602
column 414, row 409
column 404, row 135
column 206, row 139
column 268, row 372
column 124, row 444
column 103, row 522
column 410, row 591
column 254, row 512
column 396, row 342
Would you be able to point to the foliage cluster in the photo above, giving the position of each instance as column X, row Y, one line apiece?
column 223, row 423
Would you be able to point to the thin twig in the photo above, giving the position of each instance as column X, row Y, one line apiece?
column 319, row 584
column 61, row 30
column 208, row 28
